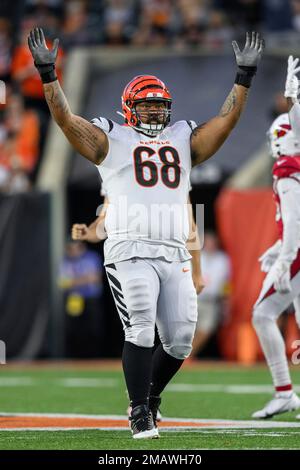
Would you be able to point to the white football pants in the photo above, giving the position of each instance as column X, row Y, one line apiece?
column 155, row 291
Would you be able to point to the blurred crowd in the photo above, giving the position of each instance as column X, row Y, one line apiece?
column 176, row 23
column 81, row 279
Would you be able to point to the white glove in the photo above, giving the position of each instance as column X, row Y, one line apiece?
column 282, row 276
column 268, row 258
column 292, row 83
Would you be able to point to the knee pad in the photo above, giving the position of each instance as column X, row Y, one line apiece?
column 260, row 318
column 181, row 345
column 140, row 336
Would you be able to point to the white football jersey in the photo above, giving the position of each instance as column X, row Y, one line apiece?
column 147, row 181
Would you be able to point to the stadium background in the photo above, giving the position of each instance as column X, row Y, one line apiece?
column 45, row 187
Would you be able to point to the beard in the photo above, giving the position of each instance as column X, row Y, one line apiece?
column 152, row 118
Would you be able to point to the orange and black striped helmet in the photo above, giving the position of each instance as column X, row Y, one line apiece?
column 145, row 88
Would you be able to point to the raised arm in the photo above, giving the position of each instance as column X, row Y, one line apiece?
column 291, row 94
column 90, row 141
column 207, row 138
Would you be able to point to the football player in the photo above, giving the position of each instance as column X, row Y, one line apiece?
column 282, row 261
column 145, row 166
column 96, row 232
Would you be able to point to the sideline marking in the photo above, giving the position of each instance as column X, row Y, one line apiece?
column 68, row 421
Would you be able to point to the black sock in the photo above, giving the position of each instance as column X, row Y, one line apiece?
column 164, row 367
column 137, row 370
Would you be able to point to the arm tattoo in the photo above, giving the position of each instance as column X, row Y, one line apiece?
column 230, row 103
column 57, row 101
column 83, row 135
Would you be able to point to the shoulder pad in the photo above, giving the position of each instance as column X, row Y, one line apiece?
column 286, row 166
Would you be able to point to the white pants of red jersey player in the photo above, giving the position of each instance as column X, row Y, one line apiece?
column 267, row 309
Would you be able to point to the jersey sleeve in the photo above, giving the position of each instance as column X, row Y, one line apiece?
column 106, row 125
column 192, row 125
column 115, row 138
column 289, row 193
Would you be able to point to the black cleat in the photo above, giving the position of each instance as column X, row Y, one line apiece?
column 141, row 423
column 154, row 404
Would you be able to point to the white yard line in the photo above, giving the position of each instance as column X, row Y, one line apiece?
column 88, row 382
column 94, row 382
column 221, row 388
column 76, row 382
column 16, row 381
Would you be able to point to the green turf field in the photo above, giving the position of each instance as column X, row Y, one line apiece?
column 216, row 392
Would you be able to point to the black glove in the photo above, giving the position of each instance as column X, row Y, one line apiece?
column 44, row 59
column 248, row 58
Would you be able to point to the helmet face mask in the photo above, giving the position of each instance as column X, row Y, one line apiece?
column 140, row 91
column 281, row 138
column 153, row 118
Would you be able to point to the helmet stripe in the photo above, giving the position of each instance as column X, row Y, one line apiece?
column 133, row 80
column 142, row 81
column 147, row 87
column 132, row 84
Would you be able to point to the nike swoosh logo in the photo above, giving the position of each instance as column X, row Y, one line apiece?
column 282, row 161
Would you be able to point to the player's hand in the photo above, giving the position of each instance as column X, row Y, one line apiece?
column 292, row 82
column 198, row 282
column 268, row 258
column 252, row 52
column 282, row 277
column 42, row 56
column 80, row 232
